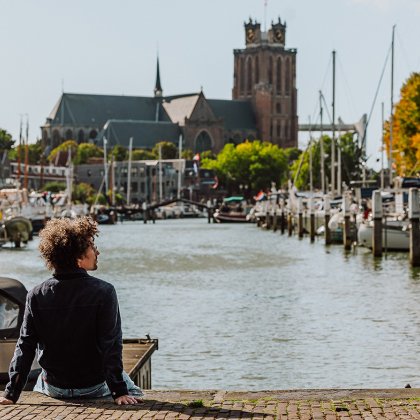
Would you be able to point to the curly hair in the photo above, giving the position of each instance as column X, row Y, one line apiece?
column 64, row 241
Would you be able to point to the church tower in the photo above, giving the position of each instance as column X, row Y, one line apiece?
column 265, row 74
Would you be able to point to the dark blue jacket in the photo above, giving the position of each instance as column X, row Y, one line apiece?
column 74, row 320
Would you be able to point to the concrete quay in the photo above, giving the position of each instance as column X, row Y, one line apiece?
column 329, row 404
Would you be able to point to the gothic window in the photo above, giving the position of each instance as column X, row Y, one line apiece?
column 203, row 142
column 81, row 136
column 270, row 70
column 278, row 84
column 288, row 79
column 241, row 75
column 55, row 138
column 257, row 70
column 278, row 129
column 249, row 76
column 93, row 134
column 69, row 134
column 278, row 108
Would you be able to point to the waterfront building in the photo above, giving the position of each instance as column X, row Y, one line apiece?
column 263, row 106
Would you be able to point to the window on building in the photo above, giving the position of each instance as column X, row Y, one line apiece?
column 142, row 187
column 134, row 187
column 278, row 108
column 203, row 142
column 55, row 138
column 249, row 76
column 93, row 134
column 287, row 78
column 81, row 136
column 241, row 75
column 278, row 84
column 270, row 70
column 69, row 134
column 257, row 70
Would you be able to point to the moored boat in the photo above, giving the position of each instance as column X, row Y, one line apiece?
column 233, row 210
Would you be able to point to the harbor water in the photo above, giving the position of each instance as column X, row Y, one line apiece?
column 236, row 307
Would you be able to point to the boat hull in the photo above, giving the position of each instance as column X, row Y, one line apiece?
column 393, row 238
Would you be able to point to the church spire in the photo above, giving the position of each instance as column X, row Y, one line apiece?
column 158, row 87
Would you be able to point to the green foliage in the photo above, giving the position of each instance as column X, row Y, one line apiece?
column 6, row 141
column 63, row 147
column 208, row 154
column 350, row 162
column 187, row 154
column 86, row 151
column 54, row 186
column 255, row 164
column 168, row 150
column 120, row 153
column 142, row 154
column 196, row 404
column 35, row 152
column 83, row 193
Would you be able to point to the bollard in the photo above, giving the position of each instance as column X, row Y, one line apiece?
column 312, row 220
column 327, row 229
column 300, row 218
column 267, row 219
column 145, row 216
column 209, row 214
column 275, row 218
column 377, row 223
column 414, row 217
column 346, row 228
column 282, row 218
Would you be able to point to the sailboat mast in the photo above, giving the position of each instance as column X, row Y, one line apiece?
column 333, row 130
column 130, row 152
column 25, row 179
column 160, row 174
column 322, row 145
column 391, row 119
column 179, row 166
column 19, row 151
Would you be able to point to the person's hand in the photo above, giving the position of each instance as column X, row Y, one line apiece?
column 128, row 399
column 5, row 401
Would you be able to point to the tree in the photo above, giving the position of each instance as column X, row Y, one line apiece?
column 350, row 162
column 142, row 154
column 120, row 153
column 64, row 147
column 187, row 154
column 6, row 141
column 35, row 153
column 168, row 150
column 85, row 151
column 255, row 164
column 406, row 129
column 54, row 186
column 83, row 193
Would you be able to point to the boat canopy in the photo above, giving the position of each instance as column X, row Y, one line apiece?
column 12, row 306
column 233, row 199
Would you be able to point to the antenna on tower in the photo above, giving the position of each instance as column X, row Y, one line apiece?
column 265, row 15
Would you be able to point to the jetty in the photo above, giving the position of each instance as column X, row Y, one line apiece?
column 331, row 404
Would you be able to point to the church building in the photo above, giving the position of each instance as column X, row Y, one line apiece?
column 263, row 106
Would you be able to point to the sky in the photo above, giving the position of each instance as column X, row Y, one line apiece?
column 110, row 47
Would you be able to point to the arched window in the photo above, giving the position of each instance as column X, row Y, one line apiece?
column 241, row 75
column 270, row 70
column 249, row 76
column 69, row 134
column 81, row 136
column 278, row 84
column 288, row 80
column 203, row 142
column 93, row 134
column 257, row 70
column 55, row 138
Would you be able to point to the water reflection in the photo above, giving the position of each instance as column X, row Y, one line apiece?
column 236, row 307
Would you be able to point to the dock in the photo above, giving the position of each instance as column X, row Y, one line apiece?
column 331, row 404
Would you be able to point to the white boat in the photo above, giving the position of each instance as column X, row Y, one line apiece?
column 395, row 235
column 233, row 210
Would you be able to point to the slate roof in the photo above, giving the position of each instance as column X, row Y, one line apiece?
column 236, row 114
column 145, row 133
column 95, row 110
column 181, row 107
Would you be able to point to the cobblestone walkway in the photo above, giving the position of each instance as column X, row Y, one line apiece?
column 283, row 405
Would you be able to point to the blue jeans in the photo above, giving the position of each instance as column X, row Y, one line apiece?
column 96, row 391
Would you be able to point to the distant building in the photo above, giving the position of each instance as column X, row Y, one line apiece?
column 263, row 107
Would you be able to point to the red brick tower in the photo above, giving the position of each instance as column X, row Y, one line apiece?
column 265, row 74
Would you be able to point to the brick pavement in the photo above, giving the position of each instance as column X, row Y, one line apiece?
column 330, row 404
